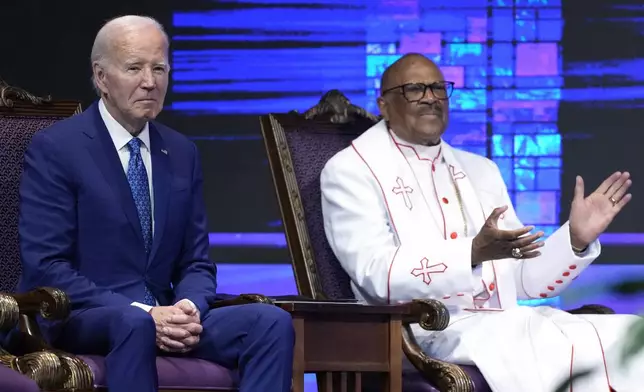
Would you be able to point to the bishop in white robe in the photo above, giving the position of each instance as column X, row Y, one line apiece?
column 406, row 219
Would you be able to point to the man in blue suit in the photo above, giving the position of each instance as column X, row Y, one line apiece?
column 112, row 213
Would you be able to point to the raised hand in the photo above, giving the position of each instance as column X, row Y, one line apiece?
column 590, row 216
column 491, row 243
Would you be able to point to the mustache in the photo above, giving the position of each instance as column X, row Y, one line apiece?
column 430, row 109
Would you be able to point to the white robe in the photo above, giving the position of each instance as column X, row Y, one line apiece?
column 392, row 217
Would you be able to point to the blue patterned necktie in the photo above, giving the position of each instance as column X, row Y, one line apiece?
column 137, row 176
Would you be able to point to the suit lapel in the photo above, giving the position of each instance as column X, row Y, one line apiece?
column 106, row 157
column 161, row 184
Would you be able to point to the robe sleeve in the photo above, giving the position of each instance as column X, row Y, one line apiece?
column 549, row 274
column 363, row 236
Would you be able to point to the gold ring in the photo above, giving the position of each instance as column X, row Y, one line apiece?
column 612, row 200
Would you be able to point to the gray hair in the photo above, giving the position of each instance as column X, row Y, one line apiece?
column 106, row 36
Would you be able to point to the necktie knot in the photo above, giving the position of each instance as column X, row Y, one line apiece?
column 135, row 145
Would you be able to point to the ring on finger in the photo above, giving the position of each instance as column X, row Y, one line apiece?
column 516, row 253
column 612, row 200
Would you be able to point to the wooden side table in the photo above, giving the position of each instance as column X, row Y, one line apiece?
column 340, row 341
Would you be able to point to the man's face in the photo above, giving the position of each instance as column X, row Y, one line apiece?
column 425, row 118
column 135, row 80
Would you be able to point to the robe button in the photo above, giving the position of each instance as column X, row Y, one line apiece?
column 543, row 295
column 559, row 281
column 492, row 286
column 551, row 288
column 566, row 273
column 572, row 267
column 445, row 200
column 453, row 236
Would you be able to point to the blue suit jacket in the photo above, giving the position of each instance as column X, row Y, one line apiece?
column 79, row 228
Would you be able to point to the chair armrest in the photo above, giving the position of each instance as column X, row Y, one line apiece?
column 9, row 312
column 50, row 368
column 430, row 314
column 242, row 299
column 49, row 302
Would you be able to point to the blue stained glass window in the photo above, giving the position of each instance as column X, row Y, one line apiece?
column 549, row 162
column 550, row 30
column 455, row 36
column 524, row 179
column 525, row 30
column 476, row 77
column 468, row 100
column 502, row 145
column 503, row 55
column 466, row 54
column 507, row 170
column 549, row 179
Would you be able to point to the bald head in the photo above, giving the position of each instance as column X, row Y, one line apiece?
column 414, row 99
column 392, row 75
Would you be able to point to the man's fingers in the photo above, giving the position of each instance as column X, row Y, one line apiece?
column 579, row 189
column 531, row 247
column 176, row 333
column 621, row 191
column 182, row 319
column 193, row 328
column 511, row 235
column 495, row 215
column 620, row 204
column 191, row 341
column 531, row 255
column 617, row 184
column 526, row 240
column 172, row 344
column 603, row 187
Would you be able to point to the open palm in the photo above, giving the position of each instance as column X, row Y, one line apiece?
column 590, row 216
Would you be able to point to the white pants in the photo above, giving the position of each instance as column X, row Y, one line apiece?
column 536, row 349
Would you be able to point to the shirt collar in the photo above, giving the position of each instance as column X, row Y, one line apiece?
column 418, row 150
column 120, row 136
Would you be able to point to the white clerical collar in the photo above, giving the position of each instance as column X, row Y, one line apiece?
column 120, row 136
column 418, row 150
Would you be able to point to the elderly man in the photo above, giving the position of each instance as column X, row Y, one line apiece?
column 112, row 213
column 409, row 216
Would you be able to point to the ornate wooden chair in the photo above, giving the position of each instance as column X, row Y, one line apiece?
column 298, row 146
column 21, row 115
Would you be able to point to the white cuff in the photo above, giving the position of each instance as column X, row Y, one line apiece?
column 145, row 307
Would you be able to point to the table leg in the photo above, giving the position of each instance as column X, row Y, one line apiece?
column 394, row 378
column 298, row 356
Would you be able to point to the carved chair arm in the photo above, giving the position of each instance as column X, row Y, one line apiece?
column 430, row 314
column 9, row 312
column 242, row 299
column 50, row 368
column 49, row 302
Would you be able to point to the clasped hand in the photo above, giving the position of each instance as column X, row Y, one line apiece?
column 178, row 327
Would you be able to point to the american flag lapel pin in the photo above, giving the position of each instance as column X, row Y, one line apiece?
column 164, row 151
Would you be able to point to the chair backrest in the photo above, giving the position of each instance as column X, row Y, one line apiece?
column 21, row 115
column 298, row 146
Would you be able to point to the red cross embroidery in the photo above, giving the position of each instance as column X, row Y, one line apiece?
column 425, row 270
column 457, row 176
column 403, row 190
